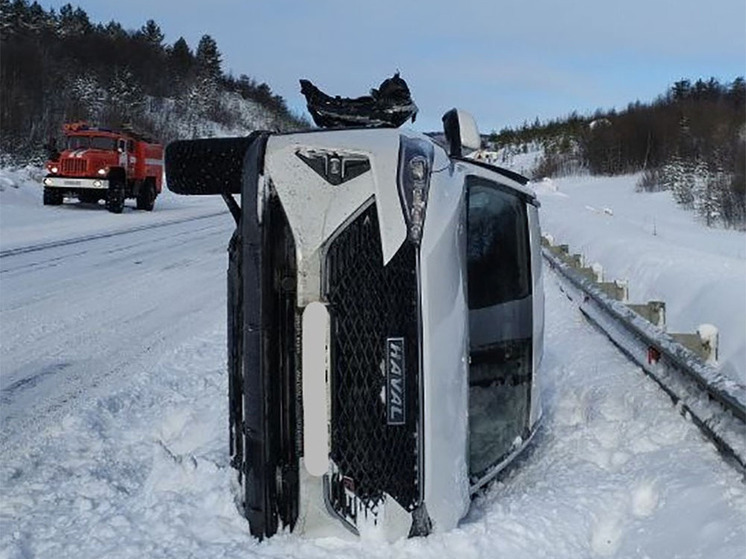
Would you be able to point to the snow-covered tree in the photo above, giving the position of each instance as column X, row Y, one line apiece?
column 125, row 96
column 677, row 177
column 89, row 96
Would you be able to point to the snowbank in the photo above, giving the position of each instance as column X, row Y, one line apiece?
column 664, row 252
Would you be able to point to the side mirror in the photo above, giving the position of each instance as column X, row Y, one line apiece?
column 462, row 134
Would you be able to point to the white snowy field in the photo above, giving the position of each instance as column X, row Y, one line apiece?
column 663, row 251
column 113, row 408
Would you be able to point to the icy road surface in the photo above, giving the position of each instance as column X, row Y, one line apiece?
column 114, row 413
column 77, row 318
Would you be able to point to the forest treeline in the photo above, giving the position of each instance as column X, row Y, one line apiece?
column 690, row 140
column 61, row 67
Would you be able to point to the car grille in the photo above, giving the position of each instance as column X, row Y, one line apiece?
column 368, row 303
column 74, row 166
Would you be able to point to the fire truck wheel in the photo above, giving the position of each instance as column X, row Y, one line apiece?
column 115, row 199
column 146, row 197
column 52, row 197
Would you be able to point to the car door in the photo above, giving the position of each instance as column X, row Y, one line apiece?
column 500, row 322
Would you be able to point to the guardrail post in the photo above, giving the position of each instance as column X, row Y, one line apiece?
column 704, row 343
column 618, row 290
column 574, row 260
column 654, row 312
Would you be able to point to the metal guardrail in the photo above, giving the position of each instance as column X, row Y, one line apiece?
column 716, row 404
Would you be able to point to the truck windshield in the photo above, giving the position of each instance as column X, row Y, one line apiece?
column 102, row 142
column 93, row 142
column 78, row 142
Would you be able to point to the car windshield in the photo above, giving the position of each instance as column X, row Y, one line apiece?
column 93, row 142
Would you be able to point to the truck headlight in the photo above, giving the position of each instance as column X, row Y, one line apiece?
column 413, row 178
column 102, row 171
column 54, row 169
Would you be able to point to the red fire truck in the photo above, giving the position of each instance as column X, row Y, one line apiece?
column 104, row 164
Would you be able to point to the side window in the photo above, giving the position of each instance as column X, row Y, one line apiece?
column 500, row 322
column 130, row 146
column 497, row 245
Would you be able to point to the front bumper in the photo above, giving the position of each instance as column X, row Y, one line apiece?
column 68, row 183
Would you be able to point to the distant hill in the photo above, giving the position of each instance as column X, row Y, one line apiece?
column 61, row 67
column 690, row 140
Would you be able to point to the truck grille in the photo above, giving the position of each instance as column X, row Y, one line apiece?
column 370, row 303
column 74, row 166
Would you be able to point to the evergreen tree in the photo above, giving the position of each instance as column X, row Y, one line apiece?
column 152, row 34
column 180, row 60
column 208, row 58
column 73, row 22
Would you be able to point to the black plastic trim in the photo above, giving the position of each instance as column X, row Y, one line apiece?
column 512, row 175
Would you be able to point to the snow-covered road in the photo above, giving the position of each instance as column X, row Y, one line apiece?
column 78, row 317
column 114, row 424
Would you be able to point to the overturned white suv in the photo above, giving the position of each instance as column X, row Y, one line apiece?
column 385, row 322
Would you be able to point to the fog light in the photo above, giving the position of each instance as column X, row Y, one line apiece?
column 47, row 182
column 97, row 184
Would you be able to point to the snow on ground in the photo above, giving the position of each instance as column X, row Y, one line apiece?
column 520, row 159
column 142, row 471
column 660, row 249
column 136, row 464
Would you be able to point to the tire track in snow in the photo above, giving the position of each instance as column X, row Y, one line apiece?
column 54, row 244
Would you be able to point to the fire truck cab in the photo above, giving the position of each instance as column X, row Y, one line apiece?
column 104, row 164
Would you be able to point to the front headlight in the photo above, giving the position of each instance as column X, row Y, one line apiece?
column 54, row 169
column 415, row 167
column 102, row 171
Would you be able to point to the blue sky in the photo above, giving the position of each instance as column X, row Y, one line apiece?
column 505, row 61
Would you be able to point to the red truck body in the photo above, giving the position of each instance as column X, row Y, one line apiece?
column 104, row 164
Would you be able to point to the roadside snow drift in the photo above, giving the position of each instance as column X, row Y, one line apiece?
column 661, row 249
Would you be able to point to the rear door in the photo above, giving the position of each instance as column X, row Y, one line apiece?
column 500, row 322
